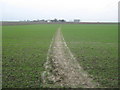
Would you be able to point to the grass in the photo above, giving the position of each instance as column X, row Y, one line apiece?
column 25, row 47
column 24, row 53
column 95, row 46
column 0, row 57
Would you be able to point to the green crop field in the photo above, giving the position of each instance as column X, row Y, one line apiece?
column 25, row 48
column 24, row 53
column 95, row 46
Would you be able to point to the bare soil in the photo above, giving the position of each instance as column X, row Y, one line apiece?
column 62, row 69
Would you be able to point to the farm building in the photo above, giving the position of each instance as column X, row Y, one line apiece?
column 76, row 20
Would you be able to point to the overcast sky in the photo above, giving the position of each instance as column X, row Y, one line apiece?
column 85, row 10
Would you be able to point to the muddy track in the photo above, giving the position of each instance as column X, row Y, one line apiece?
column 62, row 69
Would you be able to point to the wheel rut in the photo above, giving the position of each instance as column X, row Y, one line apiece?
column 62, row 69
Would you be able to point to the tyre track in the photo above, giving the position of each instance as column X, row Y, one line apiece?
column 61, row 68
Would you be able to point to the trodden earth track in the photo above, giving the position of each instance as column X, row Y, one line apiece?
column 62, row 69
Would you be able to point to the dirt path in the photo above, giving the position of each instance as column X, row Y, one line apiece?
column 62, row 69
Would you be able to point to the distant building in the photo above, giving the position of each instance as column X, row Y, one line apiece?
column 76, row 20
column 48, row 21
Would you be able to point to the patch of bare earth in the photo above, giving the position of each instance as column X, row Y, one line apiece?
column 62, row 69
